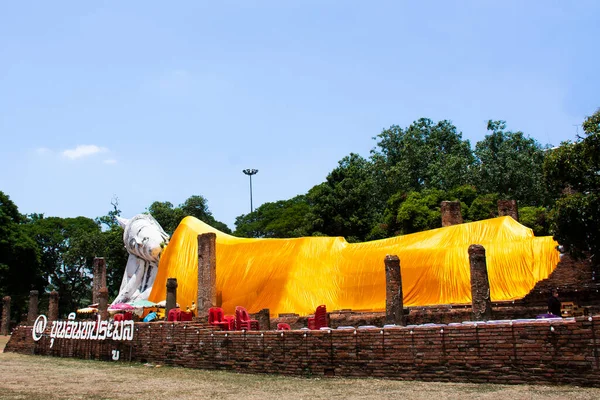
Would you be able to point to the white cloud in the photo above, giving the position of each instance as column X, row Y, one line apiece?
column 43, row 150
column 110, row 161
column 83, row 151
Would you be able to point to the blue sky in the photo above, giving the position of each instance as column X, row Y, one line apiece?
column 154, row 101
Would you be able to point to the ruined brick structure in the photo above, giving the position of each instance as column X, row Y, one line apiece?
column 451, row 214
column 99, row 279
column 53, row 306
column 5, row 328
column 264, row 319
column 508, row 208
column 32, row 314
column 481, row 303
column 171, row 301
column 103, row 303
column 534, row 352
column 394, row 308
column 207, row 271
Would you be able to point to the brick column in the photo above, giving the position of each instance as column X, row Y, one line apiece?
column 171, row 295
column 451, row 214
column 5, row 330
column 99, row 277
column 103, row 303
column 53, row 306
column 33, row 307
column 508, row 207
column 207, row 273
column 394, row 304
column 480, row 285
column 264, row 319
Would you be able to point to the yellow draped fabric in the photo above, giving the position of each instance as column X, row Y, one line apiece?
column 297, row 275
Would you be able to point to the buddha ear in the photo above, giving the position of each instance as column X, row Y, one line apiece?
column 123, row 222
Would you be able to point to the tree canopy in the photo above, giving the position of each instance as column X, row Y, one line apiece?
column 19, row 256
column 280, row 219
column 344, row 205
column 573, row 170
column 424, row 155
column 169, row 216
column 511, row 165
column 68, row 247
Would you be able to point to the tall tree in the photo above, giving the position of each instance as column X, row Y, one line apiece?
column 196, row 206
column 420, row 211
column 535, row 218
column 424, row 155
column 483, row 207
column 19, row 257
column 281, row 219
column 113, row 248
column 346, row 203
column 574, row 170
column 68, row 247
column 449, row 157
column 166, row 215
column 510, row 164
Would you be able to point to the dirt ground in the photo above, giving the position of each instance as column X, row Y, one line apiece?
column 36, row 378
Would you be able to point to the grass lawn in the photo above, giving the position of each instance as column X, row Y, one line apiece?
column 37, row 378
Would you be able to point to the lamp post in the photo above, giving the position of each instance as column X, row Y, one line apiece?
column 250, row 172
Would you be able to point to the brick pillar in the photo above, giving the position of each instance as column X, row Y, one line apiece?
column 33, row 307
column 53, row 306
column 509, row 208
column 480, row 285
column 394, row 304
column 5, row 330
column 264, row 319
column 207, row 273
column 99, row 277
column 103, row 303
column 171, row 295
column 451, row 214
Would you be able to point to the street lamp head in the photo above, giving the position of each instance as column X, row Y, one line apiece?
column 250, row 172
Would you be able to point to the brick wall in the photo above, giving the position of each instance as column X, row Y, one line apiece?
column 451, row 213
column 442, row 314
column 560, row 351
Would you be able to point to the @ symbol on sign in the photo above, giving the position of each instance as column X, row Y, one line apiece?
column 39, row 326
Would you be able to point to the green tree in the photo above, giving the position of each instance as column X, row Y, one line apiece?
column 415, row 211
column 390, row 217
column 345, row 204
column 166, row 215
column 399, row 160
column 281, row 219
column 575, row 220
column 115, row 256
column 113, row 251
column 510, row 164
column 68, row 247
column 420, row 211
column 424, row 155
column 483, row 207
column 196, row 206
column 19, row 257
column 573, row 170
column 449, row 158
column 466, row 194
column 535, row 218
